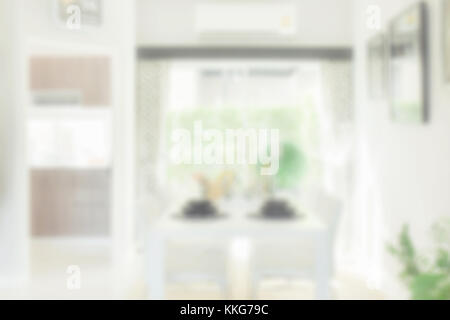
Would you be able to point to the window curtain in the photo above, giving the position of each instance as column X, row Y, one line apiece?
column 336, row 113
column 152, row 79
column 358, row 243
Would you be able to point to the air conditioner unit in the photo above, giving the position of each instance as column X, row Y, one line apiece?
column 245, row 19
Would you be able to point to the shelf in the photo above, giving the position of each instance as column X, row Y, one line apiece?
column 68, row 111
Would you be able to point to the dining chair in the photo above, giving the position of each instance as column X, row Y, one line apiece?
column 197, row 261
column 293, row 259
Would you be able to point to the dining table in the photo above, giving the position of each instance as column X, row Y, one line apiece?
column 237, row 222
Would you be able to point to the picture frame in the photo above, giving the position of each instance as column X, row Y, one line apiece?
column 408, row 69
column 446, row 38
column 377, row 66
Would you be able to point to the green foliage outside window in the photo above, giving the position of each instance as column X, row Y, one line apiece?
column 298, row 127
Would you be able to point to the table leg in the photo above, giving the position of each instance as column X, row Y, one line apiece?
column 323, row 266
column 156, row 275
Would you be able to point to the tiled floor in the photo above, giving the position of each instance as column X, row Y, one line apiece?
column 50, row 262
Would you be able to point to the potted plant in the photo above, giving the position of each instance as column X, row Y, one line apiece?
column 426, row 278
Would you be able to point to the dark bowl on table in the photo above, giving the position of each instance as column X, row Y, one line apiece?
column 199, row 209
column 274, row 208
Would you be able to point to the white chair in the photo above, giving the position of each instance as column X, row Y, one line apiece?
column 294, row 259
column 195, row 261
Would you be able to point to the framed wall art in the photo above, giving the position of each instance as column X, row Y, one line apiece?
column 446, row 40
column 408, row 68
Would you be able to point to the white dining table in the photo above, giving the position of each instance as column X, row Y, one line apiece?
column 238, row 225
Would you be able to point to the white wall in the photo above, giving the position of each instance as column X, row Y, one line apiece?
column 29, row 26
column 13, row 220
column 403, row 170
column 171, row 22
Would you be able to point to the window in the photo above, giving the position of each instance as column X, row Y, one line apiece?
column 258, row 95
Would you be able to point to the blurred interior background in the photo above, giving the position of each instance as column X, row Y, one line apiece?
column 91, row 92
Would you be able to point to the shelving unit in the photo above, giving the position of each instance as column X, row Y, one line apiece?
column 70, row 163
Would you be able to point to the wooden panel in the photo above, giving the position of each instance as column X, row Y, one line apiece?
column 70, row 202
column 90, row 76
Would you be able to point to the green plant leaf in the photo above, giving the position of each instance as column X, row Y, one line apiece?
column 426, row 287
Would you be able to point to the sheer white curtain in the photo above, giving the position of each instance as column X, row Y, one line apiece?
column 337, row 152
column 152, row 79
column 348, row 175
